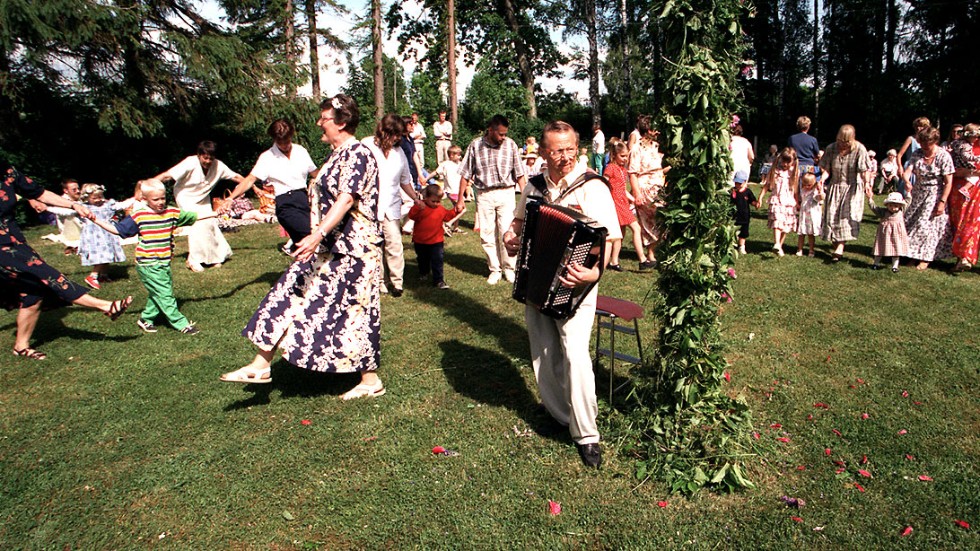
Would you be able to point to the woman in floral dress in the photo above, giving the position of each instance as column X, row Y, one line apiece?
column 964, row 200
column 646, row 172
column 324, row 312
column 930, row 235
column 845, row 167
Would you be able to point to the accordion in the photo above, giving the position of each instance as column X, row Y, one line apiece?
column 552, row 238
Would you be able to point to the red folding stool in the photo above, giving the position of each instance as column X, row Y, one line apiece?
column 617, row 309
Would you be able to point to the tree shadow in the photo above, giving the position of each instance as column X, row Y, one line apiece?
column 51, row 327
column 268, row 279
column 475, row 265
column 293, row 382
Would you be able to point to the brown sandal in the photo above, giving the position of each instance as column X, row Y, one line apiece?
column 30, row 353
column 117, row 308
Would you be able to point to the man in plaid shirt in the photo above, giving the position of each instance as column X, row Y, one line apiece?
column 492, row 164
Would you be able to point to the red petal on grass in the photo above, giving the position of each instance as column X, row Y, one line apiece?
column 821, row 405
column 962, row 524
column 305, row 422
column 905, row 531
column 917, row 403
column 837, row 432
column 827, row 451
column 809, row 417
column 903, row 431
column 438, row 449
column 662, row 504
column 859, row 487
column 828, row 359
column 775, row 426
column 839, row 463
column 554, row 508
column 783, row 439
column 801, row 468
column 370, row 438
column 860, row 381
column 925, row 478
column 864, row 473
column 851, row 386
column 864, row 460
column 840, row 470
column 797, row 519
column 905, row 394
column 755, row 435
column 728, row 376
column 865, row 416
column 910, row 457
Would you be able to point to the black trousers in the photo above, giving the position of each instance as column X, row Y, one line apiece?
column 293, row 213
column 430, row 257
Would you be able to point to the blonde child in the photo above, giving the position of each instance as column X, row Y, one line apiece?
column 615, row 173
column 583, row 157
column 155, row 224
column 427, row 236
column 448, row 173
column 891, row 239
column 97, row 247
column 531, row 146
column 811, row 212
column 781, row 183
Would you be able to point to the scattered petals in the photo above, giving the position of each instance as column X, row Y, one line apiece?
column 962, row 524
column 305, row 422
column 438, row 450
column 755, row 435
column 821, row 405
column 827, row 451
column 797, row 519
column 925, row 478
column 903, row 431
column 662, row 504
column 840, row 470
column 917, row 403
column 728, row 376
column 865, row 416
column 783, row 439
column 906, row 531
column 859, row 487
column 910, row 457
column 905, row 394
column 801, row 468
column 809, row 417
column 554, row 508
column 837, row 432
column 864, row 473
column 775, row 426
column 839, row 463
column 370, row 438
column 860, row 381
column 828, row 359
column 864, row 460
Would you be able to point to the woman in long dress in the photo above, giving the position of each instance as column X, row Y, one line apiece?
column 324, row 312
column 646, row 173
column 930, row 234
column 844, row 168
column 964, row 200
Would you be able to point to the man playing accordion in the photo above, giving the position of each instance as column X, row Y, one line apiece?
column 560, row 350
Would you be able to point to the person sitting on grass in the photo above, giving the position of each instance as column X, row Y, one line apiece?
column 427, row 236
column 155, row 225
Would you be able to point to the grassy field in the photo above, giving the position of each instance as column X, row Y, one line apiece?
column 122, row 440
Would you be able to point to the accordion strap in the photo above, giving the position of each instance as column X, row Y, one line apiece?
column 541, row 185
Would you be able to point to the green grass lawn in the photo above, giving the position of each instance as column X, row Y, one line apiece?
column 122, row 440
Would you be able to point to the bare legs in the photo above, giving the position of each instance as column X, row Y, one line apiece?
column 26, row 322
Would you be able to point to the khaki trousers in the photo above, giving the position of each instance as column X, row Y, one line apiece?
column 494, row 213
column 394, row 252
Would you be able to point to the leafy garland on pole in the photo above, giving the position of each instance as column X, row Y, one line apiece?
column 683, row 428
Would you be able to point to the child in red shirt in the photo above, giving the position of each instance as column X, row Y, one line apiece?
column 427, row 236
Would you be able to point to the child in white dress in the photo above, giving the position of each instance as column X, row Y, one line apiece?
column 811, row 212
column 891, row 238
column 97, row 247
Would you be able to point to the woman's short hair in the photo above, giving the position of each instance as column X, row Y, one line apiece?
column 846, row 135
column 207, row 147
column 928, row 135
column 345, row 111
column 803, row 123
column 644, row 125
column 281, row 130
column 389, row 131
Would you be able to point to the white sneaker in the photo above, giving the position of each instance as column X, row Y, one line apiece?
column 509, row 276
column 494, row 278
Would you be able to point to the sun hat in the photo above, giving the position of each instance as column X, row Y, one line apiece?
column 871, row 153
column 741, row 177
column 892, row 153
column 895, row 198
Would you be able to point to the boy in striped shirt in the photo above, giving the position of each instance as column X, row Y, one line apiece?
column 155, row 225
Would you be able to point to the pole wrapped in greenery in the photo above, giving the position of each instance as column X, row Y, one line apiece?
column 690, row 433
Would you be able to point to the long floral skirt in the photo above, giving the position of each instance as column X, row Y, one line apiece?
column 651, row 230
column 26, row 279
column 929, row 238
column 324, row 313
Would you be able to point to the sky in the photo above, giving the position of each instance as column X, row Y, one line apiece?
column 333, row 64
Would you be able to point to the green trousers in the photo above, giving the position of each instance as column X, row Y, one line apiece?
column 159, row 283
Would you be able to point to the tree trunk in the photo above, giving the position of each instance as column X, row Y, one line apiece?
column 627, row 64
column 816, row 67
column 523, row 56
column 593, row 37
column 451, row 61
column 379, row 86
column 288, row 34
column 314, row 45
column 890, row 34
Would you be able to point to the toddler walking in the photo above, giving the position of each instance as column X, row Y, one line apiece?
column 743, row 199
column 811, row 212
column 781, row 183
column 155, row 223
column 97, row 247
column 891, row 239
column 427, row 235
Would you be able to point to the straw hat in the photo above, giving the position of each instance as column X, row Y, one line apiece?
column 895, row 198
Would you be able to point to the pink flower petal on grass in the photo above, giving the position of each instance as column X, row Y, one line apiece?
column 917, row 403
column 864, row 473
column 783, row 439
column 840, row 470
column 796, row 519
column 837, row 432
column 860, row 381
column 910, row 457
column 864, row 460
column 859, row 487
column 905, row 531
column 775, row 426
column 728, row 376
column 755, row 435
column 305, row 422
column 821, row 405
column 839, row 463
column 827, row 451
column 801, row 468
column 662, row 504
column 864, row 416
column 962, row 524
column 438, row 450
column 925, row 478
column 554, row 508
column 903, row 431
column 809, row 417
column 905, row 394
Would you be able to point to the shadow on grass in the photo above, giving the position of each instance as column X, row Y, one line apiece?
column 292, row 382
column 475, row 265
column 267, row 279
column 51, row 327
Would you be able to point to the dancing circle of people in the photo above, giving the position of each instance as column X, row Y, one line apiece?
column 345, row 222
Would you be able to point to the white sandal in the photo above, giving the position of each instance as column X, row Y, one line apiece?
column 248, row 375
column 364, row 391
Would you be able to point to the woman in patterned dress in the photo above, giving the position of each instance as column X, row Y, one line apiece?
column 26, row 281
column 844, row 168
column 324, row 312
column 615, row 173
column 646, row 173
column 964, row 201
column 930, row 235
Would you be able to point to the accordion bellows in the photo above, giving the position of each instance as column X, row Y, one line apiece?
column 552, row 238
